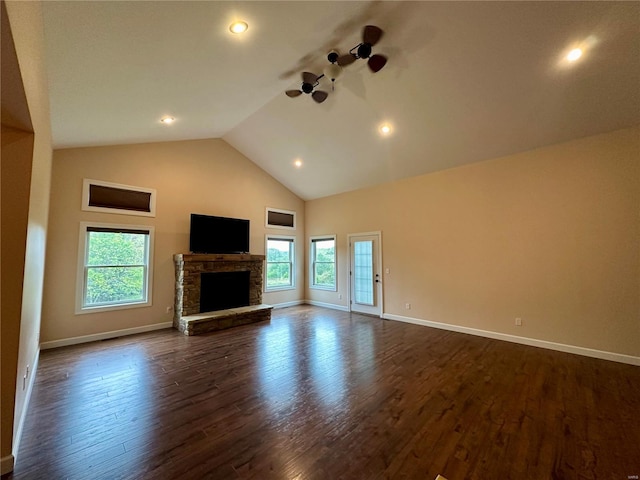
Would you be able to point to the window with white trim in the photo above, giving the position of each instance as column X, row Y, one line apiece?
column 323, row 262
column 114, row 267
column 279, row 274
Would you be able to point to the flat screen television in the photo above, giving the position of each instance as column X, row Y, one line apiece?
column 211, row 234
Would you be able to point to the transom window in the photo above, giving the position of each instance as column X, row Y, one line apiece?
column 114, row 267
column 279, row 274
column 276, row 218
column 323, row 262
column 107, row 197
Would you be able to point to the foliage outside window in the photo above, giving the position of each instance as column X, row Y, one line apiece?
column 323, row 262
column 115, row 265
column 280, row 257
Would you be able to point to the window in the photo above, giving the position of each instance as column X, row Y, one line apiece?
column 323, row 262
column 114, row 267
column 280, row 254
column 276, row 218
column 98, row 196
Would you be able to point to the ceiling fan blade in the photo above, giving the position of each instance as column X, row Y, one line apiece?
column 319, row 96
column 347, row 59
column 371, row 34
column 376, row 62
column 308, row 77
column 293, row 93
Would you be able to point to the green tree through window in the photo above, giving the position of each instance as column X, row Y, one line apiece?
column 279, row 262
column 323, row 262
column 116, row 266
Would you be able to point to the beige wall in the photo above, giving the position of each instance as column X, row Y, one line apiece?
column 26, row 166
column 551, row 236
column 17, row 147
column 200, row 176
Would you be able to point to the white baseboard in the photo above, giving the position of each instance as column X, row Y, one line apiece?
column 327, row 305
column 6, row 464
column 288, row 304
column 18, row 427
column 587, row 352
column 104, row 335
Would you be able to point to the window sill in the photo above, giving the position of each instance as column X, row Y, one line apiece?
column 279, row 289
column 108, row 308
column 326, row 289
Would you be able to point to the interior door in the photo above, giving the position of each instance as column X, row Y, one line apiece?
column 365, row 291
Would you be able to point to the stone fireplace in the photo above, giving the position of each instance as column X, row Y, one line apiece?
column 218, row 291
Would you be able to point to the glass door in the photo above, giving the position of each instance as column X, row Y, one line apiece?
column 366, row 286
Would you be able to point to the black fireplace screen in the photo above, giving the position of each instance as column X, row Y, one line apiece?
column 222, row 290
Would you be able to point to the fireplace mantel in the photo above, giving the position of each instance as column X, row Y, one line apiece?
column 217, row 257
column 189, row 268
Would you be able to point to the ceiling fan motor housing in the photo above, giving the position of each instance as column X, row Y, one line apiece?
column 307, row 87
column 364, row 50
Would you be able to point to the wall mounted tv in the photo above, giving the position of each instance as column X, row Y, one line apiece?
column 210, row 234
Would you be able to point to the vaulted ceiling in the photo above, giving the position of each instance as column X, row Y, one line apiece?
column 465, row 81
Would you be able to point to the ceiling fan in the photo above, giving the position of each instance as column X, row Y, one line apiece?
column 309, row 83
column 370, row 36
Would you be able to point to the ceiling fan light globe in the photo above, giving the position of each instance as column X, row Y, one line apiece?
column 332, row 71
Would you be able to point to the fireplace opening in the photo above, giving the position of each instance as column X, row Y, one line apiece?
column 222, row 290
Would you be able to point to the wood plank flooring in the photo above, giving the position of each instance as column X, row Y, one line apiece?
column 323, row 394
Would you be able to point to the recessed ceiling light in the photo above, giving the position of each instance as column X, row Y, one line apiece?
column 298, row 163
column 238, row 27
column 385, row 129
column 167, row 120
column 574, row 54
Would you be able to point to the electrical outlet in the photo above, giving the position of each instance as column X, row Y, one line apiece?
column 518, row 322
column 169, row 309
column 407, row 306
column 339, row 296
column 387, row 271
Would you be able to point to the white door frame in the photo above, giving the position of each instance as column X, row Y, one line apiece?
column 377, row 268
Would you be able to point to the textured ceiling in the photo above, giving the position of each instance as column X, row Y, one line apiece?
column 465, row 81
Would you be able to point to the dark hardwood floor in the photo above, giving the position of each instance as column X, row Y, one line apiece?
column 323, row 394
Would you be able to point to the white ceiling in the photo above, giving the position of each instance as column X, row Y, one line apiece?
column 465, row 81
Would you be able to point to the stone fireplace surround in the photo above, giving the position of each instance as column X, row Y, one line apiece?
column 187, row 315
